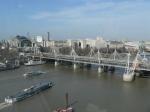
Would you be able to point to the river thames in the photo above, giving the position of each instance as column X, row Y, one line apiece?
column 93, row 93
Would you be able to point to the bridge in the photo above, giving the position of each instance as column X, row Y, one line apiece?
column 130, row 63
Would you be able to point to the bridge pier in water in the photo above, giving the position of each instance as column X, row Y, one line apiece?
column 56, row 63
column 100, row 70
column 74, row 66
column 129, row 74
column 128, row 77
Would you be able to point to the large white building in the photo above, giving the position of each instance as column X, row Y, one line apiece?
column 40, row 41
column 115, row 44
column 132, row 45
column 147, row 45
column 99, row 42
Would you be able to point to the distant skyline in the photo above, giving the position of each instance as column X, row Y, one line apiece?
column 72, row 19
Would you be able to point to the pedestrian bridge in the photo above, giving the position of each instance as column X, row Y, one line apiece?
column 120, row 60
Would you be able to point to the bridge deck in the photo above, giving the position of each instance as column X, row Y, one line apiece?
column 121, row 63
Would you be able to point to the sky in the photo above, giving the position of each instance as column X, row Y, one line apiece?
column 72, row 19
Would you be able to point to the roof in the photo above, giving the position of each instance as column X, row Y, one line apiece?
column 21, row 38
column 116, row 42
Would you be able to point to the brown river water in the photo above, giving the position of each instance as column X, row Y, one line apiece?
column 93, row 92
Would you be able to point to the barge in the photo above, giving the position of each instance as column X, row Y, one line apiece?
column 28, row 92
column 34, row 73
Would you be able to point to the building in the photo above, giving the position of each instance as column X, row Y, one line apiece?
column 147, row 45
column 132, row 45
column 115, row 44
column 4, row 44
column 83, row 43
column 100, row 43
column 41, row 41
column 20, row 42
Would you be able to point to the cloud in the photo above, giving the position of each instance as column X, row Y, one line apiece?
column 73, row 12
column 110, row 19
column 92, row 9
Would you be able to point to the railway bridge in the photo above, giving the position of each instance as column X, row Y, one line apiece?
column 130, row 63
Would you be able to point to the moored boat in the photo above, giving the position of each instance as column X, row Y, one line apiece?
column 33, row 62
column 2, row 66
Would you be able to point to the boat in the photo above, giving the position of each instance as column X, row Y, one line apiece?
column 2, row 66
column 33, row 73
column 68, row 107
column 28, row 92
column 34, row 62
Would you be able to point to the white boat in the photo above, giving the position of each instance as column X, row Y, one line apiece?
column 2, row 65
column 32, row 62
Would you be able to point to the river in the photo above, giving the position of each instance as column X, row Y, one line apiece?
column 94, row 93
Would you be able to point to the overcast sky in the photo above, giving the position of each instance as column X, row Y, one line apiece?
column 64, row 19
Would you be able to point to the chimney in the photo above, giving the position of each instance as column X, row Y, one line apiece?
column 48, row 36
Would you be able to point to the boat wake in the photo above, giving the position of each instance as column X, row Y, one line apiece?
column 4, row 105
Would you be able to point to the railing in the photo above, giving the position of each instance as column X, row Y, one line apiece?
column 121, row 63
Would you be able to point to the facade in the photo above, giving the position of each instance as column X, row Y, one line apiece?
column 115, row 44
column 20, row 42
column 132, row 45
column 39, row 41
column 4, row 44
column 86, row 43
column 100, row 43
column 61, row 43
column 147, row 45
column 83, row 43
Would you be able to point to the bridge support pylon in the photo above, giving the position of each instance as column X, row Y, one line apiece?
column 56, row 63
column 74, row 66
column 100, row 69
column 128, row 76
